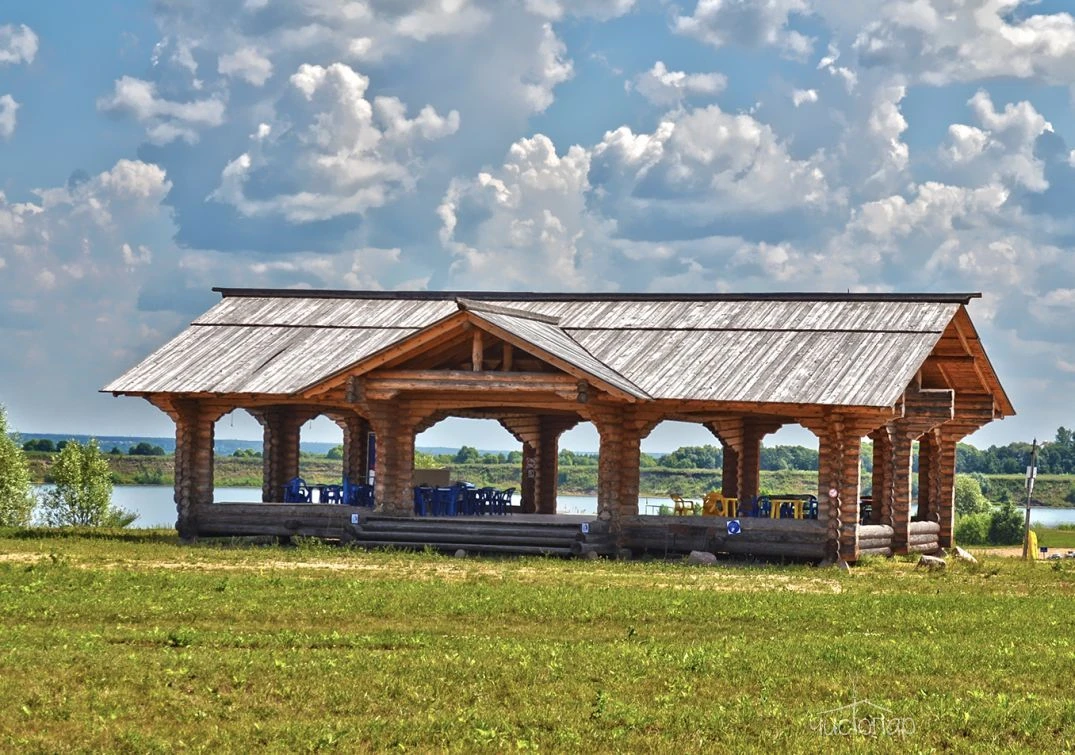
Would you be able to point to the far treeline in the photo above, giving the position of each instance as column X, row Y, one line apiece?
column 1055, row 457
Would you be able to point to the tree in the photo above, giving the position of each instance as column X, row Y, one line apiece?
column 1006, row 526
column 41, row 444
column 969, row 498
column 336, row 452
column 144, row 449
column 468, row 455
column 973, row 529
column 82, row 494
column 16, row 501
column 115, row 451
column 515, row 457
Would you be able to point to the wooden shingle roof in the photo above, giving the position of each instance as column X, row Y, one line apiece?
column 825, row 349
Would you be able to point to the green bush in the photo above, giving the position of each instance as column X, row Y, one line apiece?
column 1006, row 526
column 969, row 497
column 16, row 502
column 82, row 494
column 973, row 529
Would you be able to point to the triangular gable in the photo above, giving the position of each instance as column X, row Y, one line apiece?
column 535, row 334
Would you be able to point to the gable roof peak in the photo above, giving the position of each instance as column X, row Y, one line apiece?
column 473, row 305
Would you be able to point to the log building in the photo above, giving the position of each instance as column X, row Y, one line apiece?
column 896, row 368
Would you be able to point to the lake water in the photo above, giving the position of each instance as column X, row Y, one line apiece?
column 156, row 508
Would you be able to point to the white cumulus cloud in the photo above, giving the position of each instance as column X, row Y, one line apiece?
column 18, row 44
column 349, row 153
column 247, row 64
column 8, row 111
column 165, row 120
column 666, row 88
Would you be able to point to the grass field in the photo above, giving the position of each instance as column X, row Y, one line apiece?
column 130, row 642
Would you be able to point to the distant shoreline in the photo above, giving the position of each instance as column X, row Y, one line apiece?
column 1051, row 491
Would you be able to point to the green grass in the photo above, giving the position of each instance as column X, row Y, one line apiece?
column 130, row 642
column 1054, row 537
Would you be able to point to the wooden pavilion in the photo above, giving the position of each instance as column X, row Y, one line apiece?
column 897, row 368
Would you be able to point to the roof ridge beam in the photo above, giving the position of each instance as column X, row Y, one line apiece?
column 473, row 305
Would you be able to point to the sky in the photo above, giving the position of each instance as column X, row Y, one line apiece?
column 152, row 150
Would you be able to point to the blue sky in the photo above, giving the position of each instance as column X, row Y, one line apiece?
column 151, row 150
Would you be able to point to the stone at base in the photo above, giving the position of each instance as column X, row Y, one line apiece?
column 931, row 562
column 591, row 556
column 460, row 553
column 963, row 555
column 701, row 558
column 843, row 565
column 624, row 554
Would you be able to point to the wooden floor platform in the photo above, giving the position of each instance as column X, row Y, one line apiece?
column 548, row 534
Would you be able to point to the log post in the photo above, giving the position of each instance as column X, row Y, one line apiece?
column 528, row 486
column 281, row 426
column 356, row 435
column 902, row 469
column 729, row 476
column 946, row 484
column 881, row 489
column 748, row 475
column 621, row 430
column 477, row 351
column 194, row 427
column 729, row 431
column 394, row 429
column 923, row 410
column 540, row 435
column 749, row 471
column 548, row 466
column 839, row 465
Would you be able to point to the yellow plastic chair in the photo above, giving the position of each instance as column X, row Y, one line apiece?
column 712, row 504
column 682, row 506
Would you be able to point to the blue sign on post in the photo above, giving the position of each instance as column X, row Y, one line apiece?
column 734, row 528
column 585, row 528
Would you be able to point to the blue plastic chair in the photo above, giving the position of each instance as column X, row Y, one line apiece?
column 748, row 508
column 470, row 501
column 357, row 495
column 810, row 509
column 424, row 500
column 503, row 500
column 296, row 491
column 764, row 507
column 446, row 501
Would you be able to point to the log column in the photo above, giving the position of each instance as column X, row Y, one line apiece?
column 729, row 431
column 928, row 478
column 281, row 427
column 729, row 475
column 839, row 452
column 903, row 438
column 540, row 436
column 882, row 476
column 548, row 466
column 194, row 426
column 528, row 486
column 923, row 410
column 356, row 435
column 749, row 472
column 621, row 430
column 946, row 483
column 394, row 428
